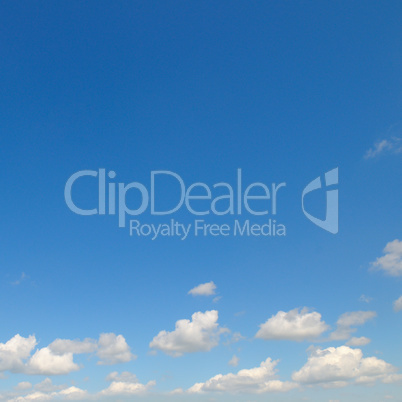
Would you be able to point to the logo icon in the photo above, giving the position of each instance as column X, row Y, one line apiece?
column 330, row 224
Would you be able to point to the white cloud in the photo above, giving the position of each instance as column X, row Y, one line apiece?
column 176, row 391
column 14, row 351
column 73, row 393
column 255, row 380
column 125, row 383
column 199, row 334
column 358, row 341
column 205, row 289
column 293, row 325
column 387, row 146
column 113, row 349
column 347, row 321
column 355, row 318
column 125, row 388
column 398, row 304
column 391, row 262
column 342, row 365
column 234, row 361
column 45, row 362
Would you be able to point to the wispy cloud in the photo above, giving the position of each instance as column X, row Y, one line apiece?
column 125, row 384
column 365, row 299
column 386, row 146
column 21, row 279
column 347, row 322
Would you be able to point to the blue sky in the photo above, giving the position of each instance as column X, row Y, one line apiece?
column 284, row 91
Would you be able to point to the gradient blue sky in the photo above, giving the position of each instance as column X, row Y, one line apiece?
column 286, row 91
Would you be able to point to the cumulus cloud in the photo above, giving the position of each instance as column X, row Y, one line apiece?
column 199, row 334
column 293, row 325
column 398, row 304
column 205, row 289
column 113, row 349
column 386, row 146
column 347, row 321
column 45, row 362
column 362, row 341
column 391, row 261
column 125, row 383
column 256, row 380
column 15, row 351
column 342, row 365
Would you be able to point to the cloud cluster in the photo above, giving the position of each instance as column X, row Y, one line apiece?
column 121, row 385
column 293, row 325
column 331, row 367
column 57, row 358
column 110, row 348
column 200, row 334
column 391, row 262
column 44, row 391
